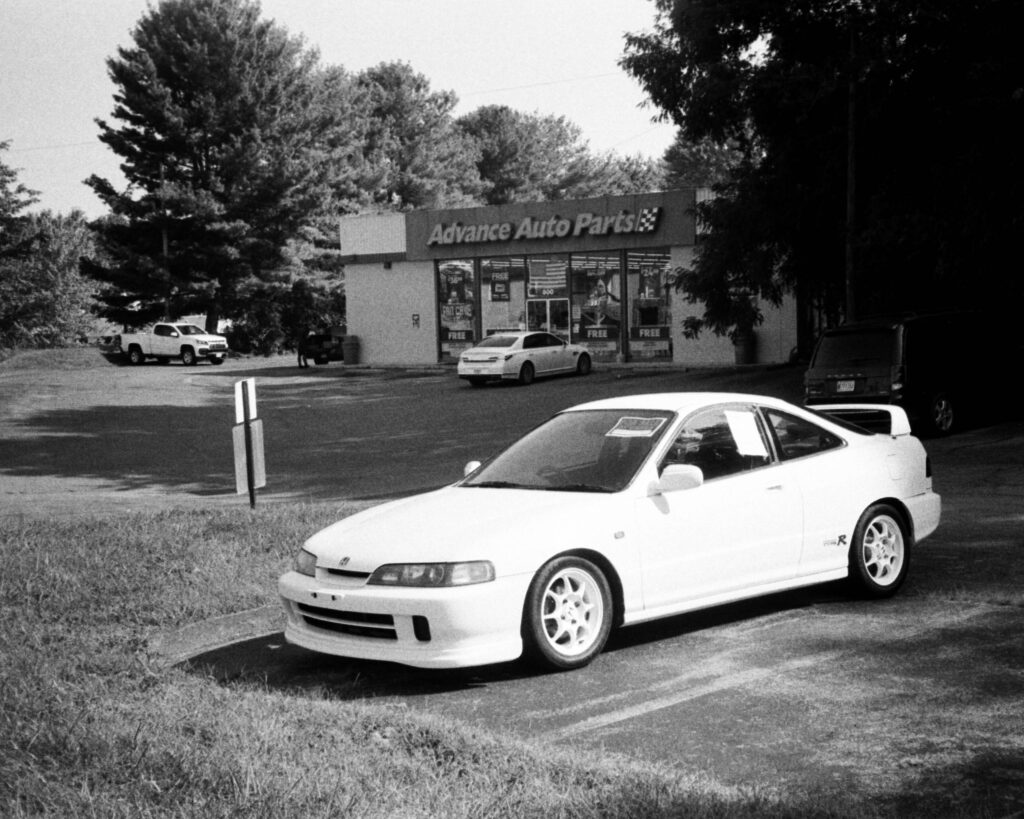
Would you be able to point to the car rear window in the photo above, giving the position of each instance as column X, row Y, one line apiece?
column 497, row 341
column 863, row 347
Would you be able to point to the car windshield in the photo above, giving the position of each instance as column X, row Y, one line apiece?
column 582, row 451
column 498, row 341
column 862, row 347
column 190, row 330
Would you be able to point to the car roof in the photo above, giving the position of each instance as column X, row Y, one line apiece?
column 891, row 321
column 680, row 402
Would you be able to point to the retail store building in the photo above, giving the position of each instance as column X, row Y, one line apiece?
column 423, row 286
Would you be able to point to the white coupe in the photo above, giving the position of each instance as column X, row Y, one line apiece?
column 522, row 356
column 613, row 513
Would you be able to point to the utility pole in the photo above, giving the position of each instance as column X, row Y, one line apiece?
column 851, row 180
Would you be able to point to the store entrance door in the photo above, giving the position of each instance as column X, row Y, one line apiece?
column 549, row 314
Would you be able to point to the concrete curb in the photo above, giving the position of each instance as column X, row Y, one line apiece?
column 179, row 645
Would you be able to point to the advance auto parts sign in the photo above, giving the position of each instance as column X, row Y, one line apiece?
column 556, row 227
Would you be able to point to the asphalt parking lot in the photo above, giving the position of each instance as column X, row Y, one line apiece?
column 914, row 696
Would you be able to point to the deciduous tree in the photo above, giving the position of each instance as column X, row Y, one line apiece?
column 535, row 157
column 879, row 164
column 44, row 299
column 412, row 151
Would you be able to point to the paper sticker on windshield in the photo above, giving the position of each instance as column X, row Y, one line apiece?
column 631, row 427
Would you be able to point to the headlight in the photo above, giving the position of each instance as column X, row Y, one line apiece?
column 305, row 563
column 434, row 575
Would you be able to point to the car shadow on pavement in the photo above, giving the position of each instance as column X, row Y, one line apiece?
column 270, row 661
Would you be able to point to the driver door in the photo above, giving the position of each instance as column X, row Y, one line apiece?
column 165, row 340
column 741, row 529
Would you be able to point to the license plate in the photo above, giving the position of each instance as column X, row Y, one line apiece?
column 844, row 386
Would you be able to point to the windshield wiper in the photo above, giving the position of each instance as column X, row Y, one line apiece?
column 579, row 487
column 499, row 485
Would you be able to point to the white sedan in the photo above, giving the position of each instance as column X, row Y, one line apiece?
column 522, row 356
column 614, row 513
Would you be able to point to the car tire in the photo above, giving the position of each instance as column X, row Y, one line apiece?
column 135, row 356
column 941, row 415
column 568, row 614
column 217, row 359
column 526, row 374
column 188, row 356
column 880, row 552
column 583, row 365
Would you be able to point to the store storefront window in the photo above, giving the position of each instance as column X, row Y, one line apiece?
column 597, row 302
column 650, row 323
column 547, row 294
column 456, row 293
column 503, row 294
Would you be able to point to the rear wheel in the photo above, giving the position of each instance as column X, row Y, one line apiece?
column 880, row 552
column 135, row 355
column 583, row 365
column 568, row 614
column 941, row 415
column 526, row 374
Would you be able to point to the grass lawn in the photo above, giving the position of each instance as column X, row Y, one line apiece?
column 91, row 725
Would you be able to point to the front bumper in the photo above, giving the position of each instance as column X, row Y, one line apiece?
column 426, row 628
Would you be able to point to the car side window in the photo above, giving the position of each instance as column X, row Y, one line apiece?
column 162, row 330
column 552, row 341
column 796, row 437
column 531, row 342
column 721, row 441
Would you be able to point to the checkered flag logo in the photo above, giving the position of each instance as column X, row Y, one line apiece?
column 647, row 221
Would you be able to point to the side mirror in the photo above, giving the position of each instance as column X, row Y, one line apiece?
column 175, row 334
column 677, row 477
column 470, row 468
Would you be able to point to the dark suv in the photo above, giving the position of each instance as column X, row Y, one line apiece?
column 935, row 366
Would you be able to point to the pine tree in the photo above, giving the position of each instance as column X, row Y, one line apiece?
column 233, row 139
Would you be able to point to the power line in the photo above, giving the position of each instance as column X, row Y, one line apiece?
column 52, row 147
column 541, row 84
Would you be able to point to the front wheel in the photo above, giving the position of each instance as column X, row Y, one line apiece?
column 583, row 365
column 188, row 356
column 526, row 374
column 568, row 614
column 880, row 552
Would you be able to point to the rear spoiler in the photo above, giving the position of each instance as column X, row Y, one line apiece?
column 888, row 419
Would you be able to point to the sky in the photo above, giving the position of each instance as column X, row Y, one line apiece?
column 537, row 56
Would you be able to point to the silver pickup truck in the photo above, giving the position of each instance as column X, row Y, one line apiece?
column 174, row 340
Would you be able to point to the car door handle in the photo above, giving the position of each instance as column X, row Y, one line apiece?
column 775, row 487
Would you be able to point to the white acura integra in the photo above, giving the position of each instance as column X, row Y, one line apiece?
column 614, row 513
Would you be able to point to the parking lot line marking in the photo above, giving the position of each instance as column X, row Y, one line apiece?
column 743, row 678
column 728, row 681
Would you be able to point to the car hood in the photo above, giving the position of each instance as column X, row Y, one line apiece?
column 208, row 338
column 513, row 528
